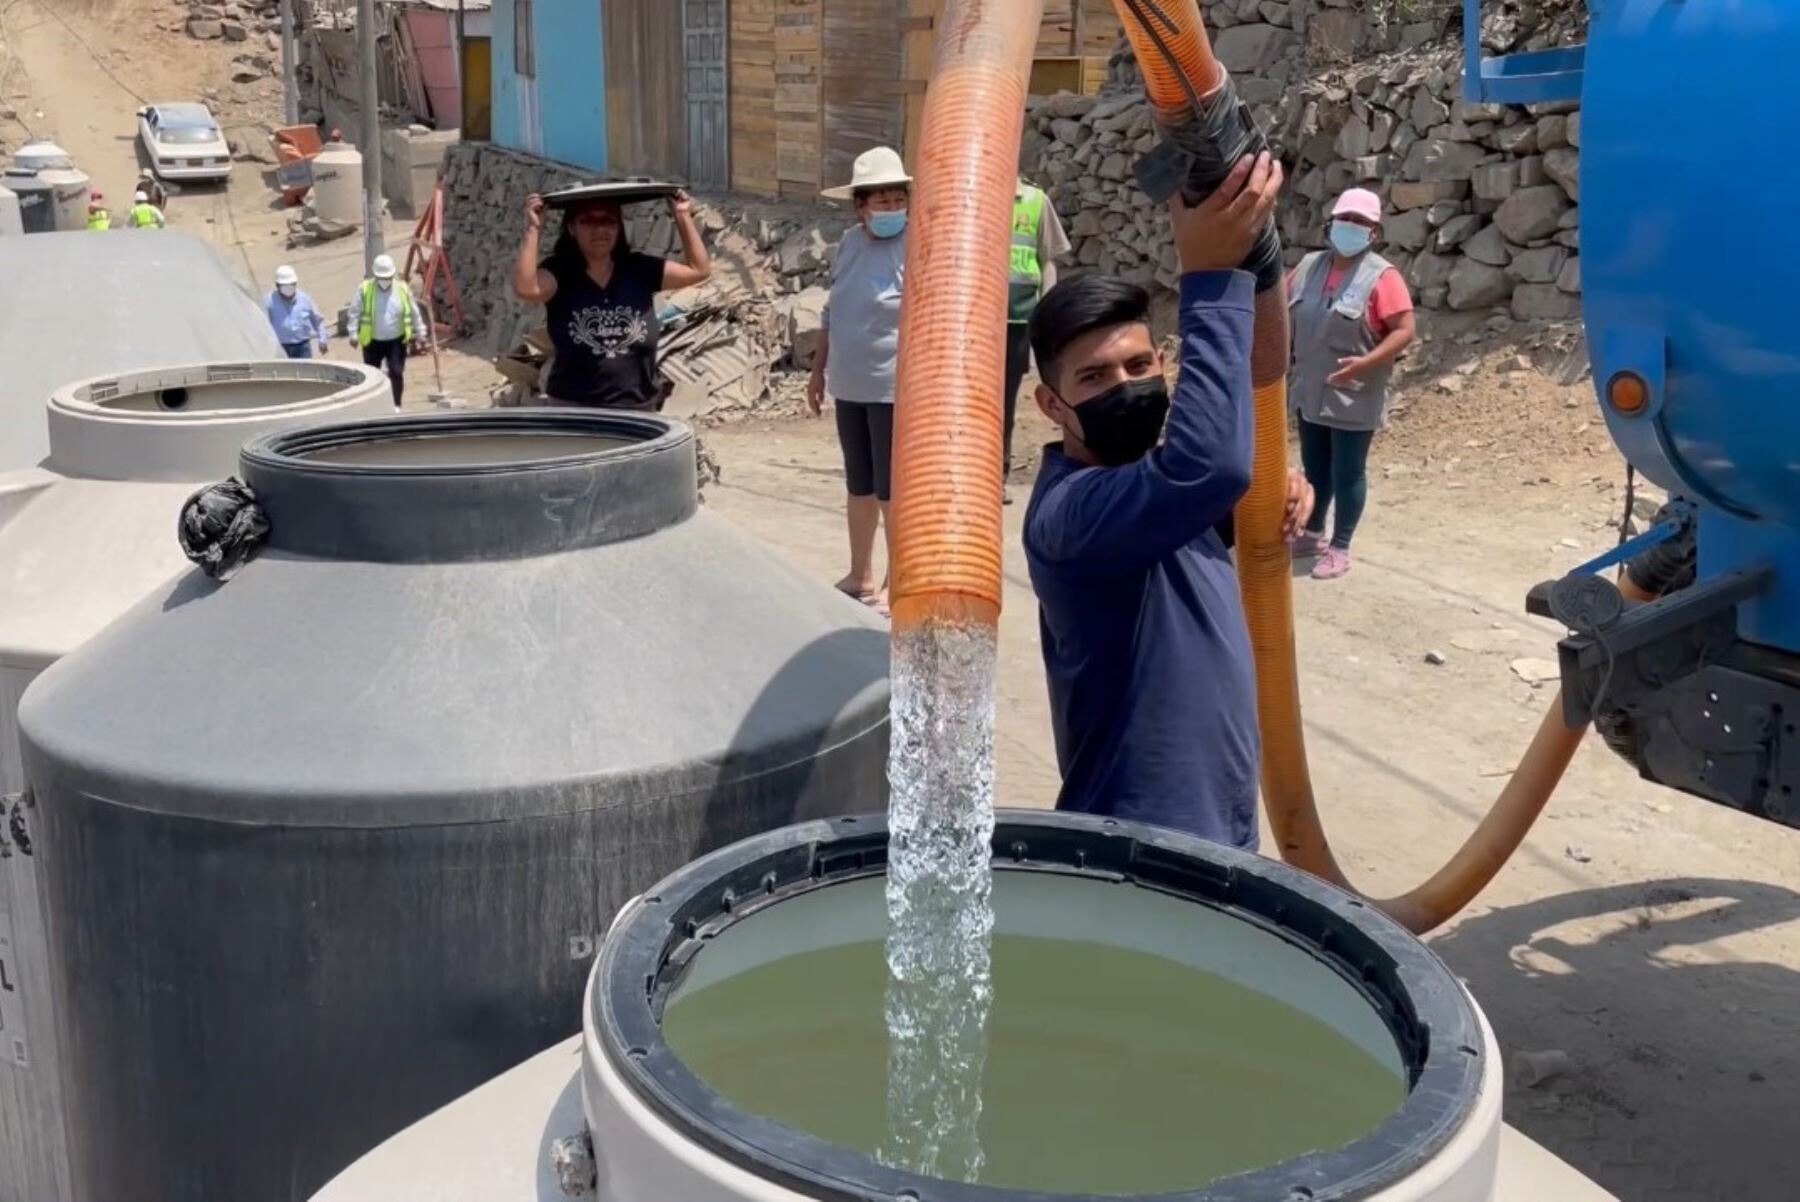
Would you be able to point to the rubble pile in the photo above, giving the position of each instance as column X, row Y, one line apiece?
column 237, row 21
column 1482, row 200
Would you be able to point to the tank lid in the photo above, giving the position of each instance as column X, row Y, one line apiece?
column 1434, row 1025
column 187, row 423
column 467, row 487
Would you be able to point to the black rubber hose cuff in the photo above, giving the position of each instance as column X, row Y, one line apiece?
column 1195, row 157
column 222, row 528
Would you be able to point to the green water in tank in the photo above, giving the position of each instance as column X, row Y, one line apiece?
column 1108, row 1070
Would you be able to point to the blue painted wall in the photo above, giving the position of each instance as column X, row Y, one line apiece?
column 506, row 83
column 571, row 81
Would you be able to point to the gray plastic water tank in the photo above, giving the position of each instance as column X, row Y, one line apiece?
column 334, row 842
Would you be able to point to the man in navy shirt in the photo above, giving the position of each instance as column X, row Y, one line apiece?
column 1152, row 687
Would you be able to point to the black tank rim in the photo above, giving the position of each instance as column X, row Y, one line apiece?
column 292, row 449
column 1434, row 1022
column 481, row 511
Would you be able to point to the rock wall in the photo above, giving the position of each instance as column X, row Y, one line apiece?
column 1482, row 200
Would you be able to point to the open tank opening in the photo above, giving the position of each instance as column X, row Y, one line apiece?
column 215, row 388
column 523, row 438
column 1166, row 1018
column 1122, row 1057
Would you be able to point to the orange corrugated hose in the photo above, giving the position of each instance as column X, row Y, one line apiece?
column 947, row 485
column 1264, row 570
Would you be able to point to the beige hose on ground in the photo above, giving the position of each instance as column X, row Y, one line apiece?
column 1171, row 46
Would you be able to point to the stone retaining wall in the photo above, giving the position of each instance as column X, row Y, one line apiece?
column 1481, row 200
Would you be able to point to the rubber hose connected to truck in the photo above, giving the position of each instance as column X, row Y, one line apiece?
column 1195, row 104
column 947, row 469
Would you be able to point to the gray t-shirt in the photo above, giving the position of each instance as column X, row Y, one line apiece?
column 863, row 317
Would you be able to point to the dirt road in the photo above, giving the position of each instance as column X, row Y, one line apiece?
column 1654, row 938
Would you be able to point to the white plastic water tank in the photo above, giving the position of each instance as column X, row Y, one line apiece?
column 10, row 222
column 641, row 1128
column 43, row 155
column 83, row 537
column 338, row 184
column 69, row 191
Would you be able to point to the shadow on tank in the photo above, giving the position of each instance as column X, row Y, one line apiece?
column 1684, row 1062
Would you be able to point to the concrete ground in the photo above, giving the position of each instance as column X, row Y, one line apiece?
column 1652, row 937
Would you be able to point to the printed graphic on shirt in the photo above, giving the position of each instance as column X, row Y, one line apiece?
column 609, row 331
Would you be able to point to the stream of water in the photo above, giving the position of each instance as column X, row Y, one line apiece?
column 939, row 899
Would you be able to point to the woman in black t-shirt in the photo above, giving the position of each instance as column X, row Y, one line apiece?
column 601, row 300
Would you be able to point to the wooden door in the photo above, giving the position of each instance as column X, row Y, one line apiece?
column 704, row 42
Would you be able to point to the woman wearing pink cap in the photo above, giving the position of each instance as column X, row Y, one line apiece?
column 1352, row 316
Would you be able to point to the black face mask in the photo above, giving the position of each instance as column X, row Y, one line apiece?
column 1121, row 424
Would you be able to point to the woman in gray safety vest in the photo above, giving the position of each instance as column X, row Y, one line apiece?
column 1352, row 316
column 1037, row 240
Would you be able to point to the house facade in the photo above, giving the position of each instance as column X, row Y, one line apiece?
column 767, row 97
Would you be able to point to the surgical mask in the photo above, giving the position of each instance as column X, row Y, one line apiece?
column 1350, row 239
column 287, row 290
column 887, row 225
column 1122, row 424
column 384, row 285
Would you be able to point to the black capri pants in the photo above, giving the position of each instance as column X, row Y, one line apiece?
column 866, row 433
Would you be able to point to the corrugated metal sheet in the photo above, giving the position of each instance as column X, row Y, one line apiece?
column 433, row 35
column 708, row 127
column 864, row 106
column 646, row 109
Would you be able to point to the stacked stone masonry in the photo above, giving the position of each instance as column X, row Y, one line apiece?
column 1481, row 200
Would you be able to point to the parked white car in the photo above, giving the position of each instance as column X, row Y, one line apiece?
column 184, row 142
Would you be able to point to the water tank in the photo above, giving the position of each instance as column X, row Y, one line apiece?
column 10, row 222
column 43, row 155
column 1256, row 1093
column 69, row 193
column 337, row 173
column 36, row 197
column 83, row 538
column 1668, row 290
column 334, row 842
column 201, row 314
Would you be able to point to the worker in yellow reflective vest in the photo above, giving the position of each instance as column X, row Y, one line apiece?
column 1037, row 240
column 144, row 215
column 385, row 319
column 97, row 216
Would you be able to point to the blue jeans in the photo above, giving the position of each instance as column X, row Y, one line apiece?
column 297, row 350
column 1336, row 465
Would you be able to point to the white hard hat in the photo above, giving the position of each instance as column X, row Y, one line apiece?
column 141, row 198
column 878, row 168
column 285, row 275
column 384, row 267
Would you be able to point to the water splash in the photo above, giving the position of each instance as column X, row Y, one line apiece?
column 939, row 898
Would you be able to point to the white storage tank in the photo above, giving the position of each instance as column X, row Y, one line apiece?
column 10, row 222
column 83, row 537
column 69, row 192
column 338, row 184
column 623, row 1114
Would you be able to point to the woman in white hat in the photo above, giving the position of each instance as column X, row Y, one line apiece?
column 1352, row 316
column 854, row 367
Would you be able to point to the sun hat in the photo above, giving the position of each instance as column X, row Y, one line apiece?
column 878, row 168
column 1358, row 202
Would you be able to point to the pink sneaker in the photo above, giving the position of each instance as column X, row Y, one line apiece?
column 1331, row 565
column 1307, row 545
